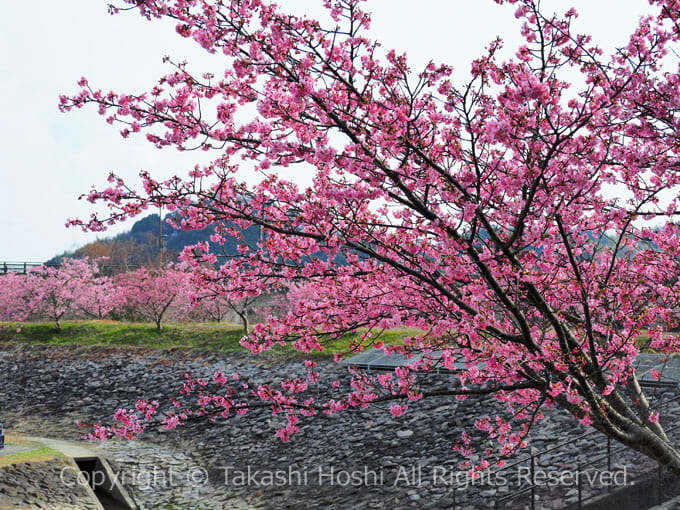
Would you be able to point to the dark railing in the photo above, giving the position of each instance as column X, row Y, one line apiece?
column 475, row 493
column 530, row 491
column 21, row 267
column 25, row 267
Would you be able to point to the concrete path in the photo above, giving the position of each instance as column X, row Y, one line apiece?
column 68, row 448
column 11, row 449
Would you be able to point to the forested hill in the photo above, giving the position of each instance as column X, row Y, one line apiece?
column 140, row 245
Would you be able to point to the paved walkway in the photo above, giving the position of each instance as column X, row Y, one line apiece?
column 67, row 448
column 11, row 449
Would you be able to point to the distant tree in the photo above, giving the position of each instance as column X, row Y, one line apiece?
column 96, row 250
column 223, row 290
column 17, row 297
column 149, row 293
column 57, row 289
column 205, row 309
column 98, row 297
column 215, row 307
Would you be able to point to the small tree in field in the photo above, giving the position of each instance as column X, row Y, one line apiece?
column 148, row 294
column 214, row 307
column 97, row 296
column 17, row 297
column 58, row 289
column 484, row 215
column 221, row 292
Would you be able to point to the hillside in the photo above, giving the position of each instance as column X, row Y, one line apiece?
column 140, row 245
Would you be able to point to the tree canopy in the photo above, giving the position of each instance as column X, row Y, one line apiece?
column 472, row 213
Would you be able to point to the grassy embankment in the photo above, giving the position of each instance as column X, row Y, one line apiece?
column 37, row 453
column 207, row 337
column 211, row 337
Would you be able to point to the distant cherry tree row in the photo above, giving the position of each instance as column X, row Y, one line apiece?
column 78, row 290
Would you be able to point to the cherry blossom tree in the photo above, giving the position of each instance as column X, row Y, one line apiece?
column 98, row 297
column 59, row 289
column 72, row 288
column 148, row 294
column 522, row 220
column 221, row 292
column 215, row 307
column 17, row 297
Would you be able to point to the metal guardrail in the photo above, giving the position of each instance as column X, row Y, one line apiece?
column 532, row 460
column 24, row 267
column 21, row 267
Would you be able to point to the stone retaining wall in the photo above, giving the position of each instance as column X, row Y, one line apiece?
column 50, row 485
column 405, row 462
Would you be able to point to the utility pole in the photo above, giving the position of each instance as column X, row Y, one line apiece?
column 160, row 238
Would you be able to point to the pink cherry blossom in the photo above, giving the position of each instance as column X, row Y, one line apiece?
column 482, row 216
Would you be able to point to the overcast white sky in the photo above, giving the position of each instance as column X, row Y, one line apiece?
column 47, row 159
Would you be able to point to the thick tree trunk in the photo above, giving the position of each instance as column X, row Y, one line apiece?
column 650, row 444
